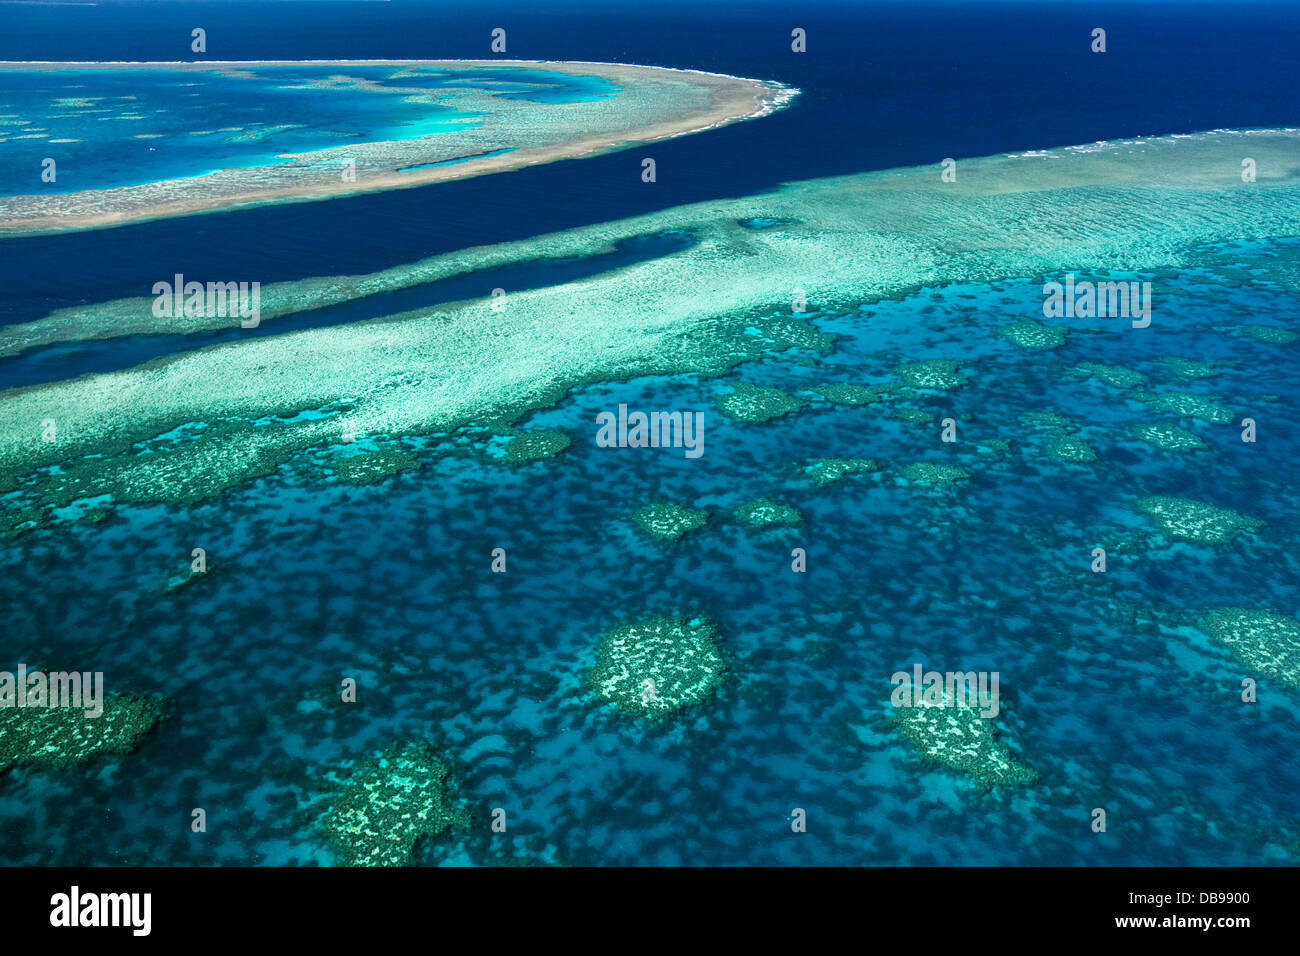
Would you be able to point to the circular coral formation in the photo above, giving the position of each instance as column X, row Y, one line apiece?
column 386, row 804
column 1193, row 520
column 764, row 512
column 939, row 374
column 667, row 521
column 65, row 736
column 845, row 393
column 370, row 466
column 1188, row 369
column 929, row 473
column 1064, row 446
column 757, row 403
column 1034, row 336
column 1186, row 405
column 1270, row 334
column 1116, row 376
column 1264, row 640
column 824, row 471
column 913, row 416
column 1168, row 437
column 659, row 666
column 956, row 736
column 531, row 446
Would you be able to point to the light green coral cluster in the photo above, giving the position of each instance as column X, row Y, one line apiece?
column 1168, row 436
column 658, row 666
column 1186, row 405
column 764, row 512
column 535, row 445
column 370, row 466
column 913, row 416
column 1271, row 334
column 998, row 446
column 1188, row 369
column 1034, row 336
column 1062, row 444
column 930, row 473
column 234, row 452
column 16, row 519
column 1116, row 376
column 824, row 471
column 757, row 403
column 65, row 736
column 386, row 804
column 956, row 736
column 938, row 374
column 1264, row 640
column 1197, row 521
column 845, row 393
column 668, row 521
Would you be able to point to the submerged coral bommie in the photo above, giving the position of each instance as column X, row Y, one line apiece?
column 846, row 393
column 1271, row 334
column 956, row 736
column 757, row 403
column 388, row 803
column 933, row 473
column 658, row 666
column 1265, row 640
column 1197, row 521
column 824, row 471
column 371, row 466
column 938, row 374
column 668, row 521
column 1186, row 405
column 764, row 512
column 536, row 445
column 1168, row 436
column 1033, row 335
column 65, row 736
column 1116, row 376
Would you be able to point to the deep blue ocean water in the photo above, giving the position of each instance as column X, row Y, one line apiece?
column 1132, row 711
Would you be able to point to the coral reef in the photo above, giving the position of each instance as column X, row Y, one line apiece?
column 667, row 521
column 929, row 473
column 65, row 736
column 1168, row 436
column 1116, row 376
column 371, row 466
column 823, row 471
column 1264, row 640
column 940, row 374
column 1034, row 336
column 956, row 736
column 386, row 804
column 658, row 666
column 757, row 403
column 1197, row 521
column 764, row 512
column 531, row 446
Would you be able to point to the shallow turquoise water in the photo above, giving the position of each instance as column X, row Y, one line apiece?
column 1105, row 689
column 111, row 128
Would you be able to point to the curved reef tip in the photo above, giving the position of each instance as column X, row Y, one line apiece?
column 451, row 128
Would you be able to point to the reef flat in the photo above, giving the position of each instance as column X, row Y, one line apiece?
column 844, row 241
column 388, row 803
column 658, row 666
column 436, row 120
column 65, row 736
column 956, row 736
